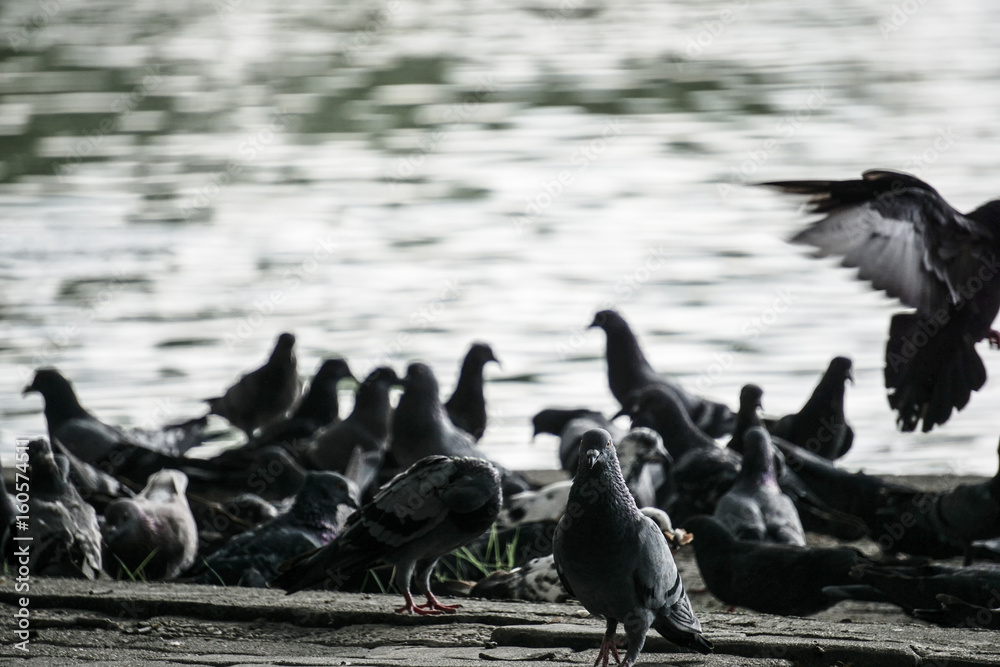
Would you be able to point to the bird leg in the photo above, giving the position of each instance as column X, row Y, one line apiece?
column 435, row 606
column 608, row 646
column 994, row 337
column 423, row 580
column 420, row 609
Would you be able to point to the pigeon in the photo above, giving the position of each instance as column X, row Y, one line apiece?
column 916, row 587
column 747, row 416
column 628, row 371
column 271, row 473
column 770, row 578
column 154, row 535
column 467, row 405
column 546, row 504
column 570, row 425
column 314, row 520
column 367, row 426
column 95, row 486
column 820, row 426
column 63, row 528
column 676, row 537
column 263, row 396
column 905, row 239
column 91, row 439
column 220, row 521
column 438, row 504
column 420, row 428
column 755, row 508
column 616, row 561
column 638, row 452
column 535, row 581
column 319, row 407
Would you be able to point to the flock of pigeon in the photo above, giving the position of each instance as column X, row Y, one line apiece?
column 312, row 500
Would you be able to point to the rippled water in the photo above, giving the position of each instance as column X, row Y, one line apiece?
column 392, row 181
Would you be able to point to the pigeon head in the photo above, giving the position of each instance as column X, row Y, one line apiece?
column 57, row 392
column 654, row 407
column 324, row 491
column 165, row 485
column 123, row 519
column 597, row 453
column 480, row 354
column 382, row 376
column 758, row 455
column 750, row 398
column 283, row 349
column 648, row 446
column 46, row 477
column 420, row 377
column 607, row 319
column 840, row 369
column 554, row 420
column 333, row 371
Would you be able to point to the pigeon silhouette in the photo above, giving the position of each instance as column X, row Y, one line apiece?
column 438, row 504
column 421, row 428
column 314, row 520
column 905, row 239
column 820, row 426
column 755, row 508
column 770, row 578
column 367, row 426
column 65, row 537
column 747, row 416
column 263, row 396
column 467, row 405
column 616, row 561
column 154, row 535
column 628, row 371
column 570, row 425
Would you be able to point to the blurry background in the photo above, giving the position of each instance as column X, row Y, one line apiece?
column 392, row 180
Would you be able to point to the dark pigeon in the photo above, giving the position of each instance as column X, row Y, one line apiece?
column 92, row 440
column 917, row 587
column 271, row 473
column 747, row 416
column 318, row 408
column 770, row 578
column 616, row 561
column 154, row 535
column 314, row 520
column 367, row 426
column 755, row 508
column 433, row 507
column 905, row 239
column 421, row 428
column 820, row 426
column 570, row 425
column 263, row 396
column 629, row 371
column 467, row 405
column 65, row 537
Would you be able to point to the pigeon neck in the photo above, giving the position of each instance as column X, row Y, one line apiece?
column 321, row 403
column 61, row 405
column 589, row 494
column 758, row 464
column 372, row 408
column 420, row 411
column 469, row 389
column 747, row 417
column 625, row 359
column 828, row 394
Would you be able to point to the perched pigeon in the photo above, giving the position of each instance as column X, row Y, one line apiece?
column 570, row 425
column 314, row 520
column 92, row 440
column 263, row 396
column 65, row 537
column 438, row 504
column 467, row 405
column 638, row 452
column 747, row 416
column 546, row 504
column 820, row 426
column 420, row 428
column 616, row 561
column 319, row 407
column 628, row 371
column 154, row 535
column 770, row 578
column 904, row 238
column 755, row 508
column 367, row 426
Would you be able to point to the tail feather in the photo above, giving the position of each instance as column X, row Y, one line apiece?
column 684, row 637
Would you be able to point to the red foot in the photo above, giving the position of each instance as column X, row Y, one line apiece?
column 608, row 648
column 994, row 338
column 421, row 609
column 435, row 606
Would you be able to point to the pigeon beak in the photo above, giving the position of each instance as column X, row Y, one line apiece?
column 850, row 376
column 28, row 388
column 661, row 455
column 592, row 456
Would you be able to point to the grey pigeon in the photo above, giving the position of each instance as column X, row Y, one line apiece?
column 570, row 425
column 616, row 561
column 420, row 428
column 770, row 578
column 438, row 504
column 93, row 441
column 755, row 508
column 264, row 395
column 154, row 535
column 629, row 371
column 638, row 452
column 905, row 239
column 821, row 426
column 96, row 486
column 366, row 427
column 314, row 520
column 545, row 504
column 467, row 405
column 65, row 537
